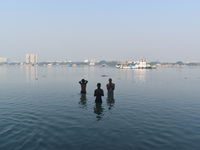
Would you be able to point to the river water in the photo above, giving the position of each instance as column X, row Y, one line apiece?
column 42, row 108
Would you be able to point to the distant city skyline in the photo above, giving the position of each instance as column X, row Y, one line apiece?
column 33, row 59
column 166, row 31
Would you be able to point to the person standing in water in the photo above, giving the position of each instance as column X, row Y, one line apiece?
column 98, row 93
column 83, row 84
column 110, row 87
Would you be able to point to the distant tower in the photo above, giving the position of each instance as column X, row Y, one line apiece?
column 27, row 58
column 31, row 58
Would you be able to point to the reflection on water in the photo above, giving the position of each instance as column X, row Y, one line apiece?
column 136, row 74
column 125, row 73
column 110, row 102
column 140, row 75
column 3, row 70
column 98, row 109
column 148, row 117
column 83, row 101
column 31, row 73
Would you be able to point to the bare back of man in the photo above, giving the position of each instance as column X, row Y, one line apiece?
column 83, row 84
column 98, row 93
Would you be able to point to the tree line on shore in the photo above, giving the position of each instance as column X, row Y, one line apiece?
column 105, row 63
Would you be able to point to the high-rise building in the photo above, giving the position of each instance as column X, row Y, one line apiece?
column 31, row 58
column 27, row 58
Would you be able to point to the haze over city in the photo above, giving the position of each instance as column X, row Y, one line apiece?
column 103, row 30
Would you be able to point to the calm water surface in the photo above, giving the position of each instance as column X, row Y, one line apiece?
column 151, row 109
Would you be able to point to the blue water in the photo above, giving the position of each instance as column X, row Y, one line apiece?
column 151, row 110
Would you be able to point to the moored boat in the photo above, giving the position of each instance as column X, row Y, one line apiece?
column 124, row 66
column 142, row 64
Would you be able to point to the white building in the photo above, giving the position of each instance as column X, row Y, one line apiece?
column 92, row 62
column 31, row 58
column 86, row 61
column 27, row 58
column 3, row 59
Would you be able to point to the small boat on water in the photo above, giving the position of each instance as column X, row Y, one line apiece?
column 69, row 65
column 142, row 64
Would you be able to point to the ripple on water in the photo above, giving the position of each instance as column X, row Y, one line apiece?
column 145, row 114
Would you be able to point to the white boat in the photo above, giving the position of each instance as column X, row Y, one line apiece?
column 124, row 66
column 142, row 64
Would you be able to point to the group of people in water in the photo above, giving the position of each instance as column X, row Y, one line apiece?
column 98, row 93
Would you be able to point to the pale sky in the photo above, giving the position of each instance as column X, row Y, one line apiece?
column 164, row 30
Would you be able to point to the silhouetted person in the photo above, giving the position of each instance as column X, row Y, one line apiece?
column 98, row 93
column 83, row 84
column 110, row 87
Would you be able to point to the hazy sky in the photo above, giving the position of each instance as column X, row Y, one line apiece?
column 164, row 30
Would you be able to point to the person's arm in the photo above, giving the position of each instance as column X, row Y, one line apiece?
column 80, row 82
column 113, row 86
column 107, row 86
column 86, row 81
column 95, row 93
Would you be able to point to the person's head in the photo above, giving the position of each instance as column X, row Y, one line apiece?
column 110, row 80
column 83, row 80
column 99, row 85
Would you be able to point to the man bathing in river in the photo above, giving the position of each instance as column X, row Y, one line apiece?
column 83, row 84
column 110, row 87
column 98, row 93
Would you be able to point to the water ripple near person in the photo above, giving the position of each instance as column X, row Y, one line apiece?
column 99, row 111
column 83, row 101
column 110, row 102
